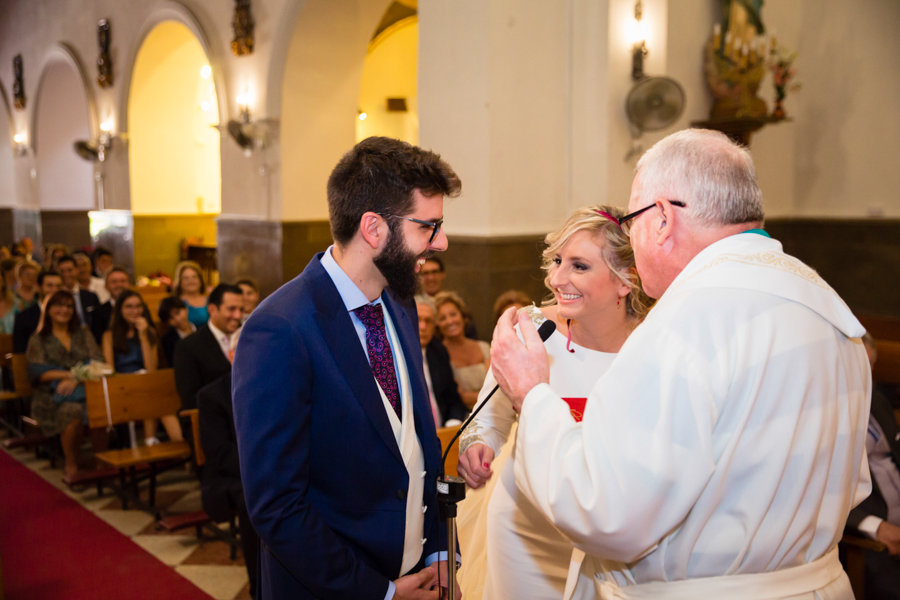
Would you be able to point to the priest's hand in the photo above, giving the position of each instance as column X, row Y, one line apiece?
column 889, row 535
column 417, row 586
column 475, row 465
column 518, row 367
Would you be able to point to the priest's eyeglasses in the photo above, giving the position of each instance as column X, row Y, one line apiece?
column 435, row 225
column 630, row 216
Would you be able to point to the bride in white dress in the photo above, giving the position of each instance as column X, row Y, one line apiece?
column 510, row 550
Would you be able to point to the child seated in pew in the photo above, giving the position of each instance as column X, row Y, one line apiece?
column 131, row 346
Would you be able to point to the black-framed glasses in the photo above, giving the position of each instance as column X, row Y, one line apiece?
column 630, row 216
column 435, row 225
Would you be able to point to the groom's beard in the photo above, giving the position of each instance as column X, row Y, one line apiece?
column 398, row 265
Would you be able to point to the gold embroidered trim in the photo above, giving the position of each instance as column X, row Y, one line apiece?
column 770, row 260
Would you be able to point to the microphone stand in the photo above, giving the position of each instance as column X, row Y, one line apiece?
column 451, row 489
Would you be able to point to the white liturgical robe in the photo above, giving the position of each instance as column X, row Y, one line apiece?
column 726, row 438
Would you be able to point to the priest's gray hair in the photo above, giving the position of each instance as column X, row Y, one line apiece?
column 713, row 175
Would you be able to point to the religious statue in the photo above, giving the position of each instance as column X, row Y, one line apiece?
column 736, row 63
column 18, row 86
column 243, row 24
column 104, row 61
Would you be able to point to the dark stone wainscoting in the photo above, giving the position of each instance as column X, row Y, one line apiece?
column 482, row 268
column 859, row 258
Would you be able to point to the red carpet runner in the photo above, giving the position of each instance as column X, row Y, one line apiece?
column 51, row 548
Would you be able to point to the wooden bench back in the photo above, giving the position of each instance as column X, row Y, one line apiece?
column 153, row 295
column 445, row 434
column 887, row 365
column 882, row 328
column 194, row 414
column 132, row 398
column 21, row 381
column 6, row 349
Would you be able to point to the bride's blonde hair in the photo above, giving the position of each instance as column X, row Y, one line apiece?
column 615, row 248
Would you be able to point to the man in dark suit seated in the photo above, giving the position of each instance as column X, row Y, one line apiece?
column 206, row 354
column 221, row 490
column 86, row 302
column 446, row 401
column 878, row 516
column 27, row 321
column 117, row 281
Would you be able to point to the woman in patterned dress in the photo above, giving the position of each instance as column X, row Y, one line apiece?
column 58, row 401
column 511, row 550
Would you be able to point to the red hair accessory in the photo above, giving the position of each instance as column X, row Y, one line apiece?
column 610, row 217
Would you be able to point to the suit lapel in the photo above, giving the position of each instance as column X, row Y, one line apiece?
column 348, row 354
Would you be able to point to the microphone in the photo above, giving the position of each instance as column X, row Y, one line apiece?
column 451, row 490
column 545, row 331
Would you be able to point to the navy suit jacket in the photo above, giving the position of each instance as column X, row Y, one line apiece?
column 323, row 477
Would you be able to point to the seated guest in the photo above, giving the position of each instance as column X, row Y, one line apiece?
column 27, row 321
column 878, row 516
column 52, row 254
column 431, row 277
column 8, row 307
column 189, row 286
column 509, row 298
column 130, row 345
column 173, row 313
column 27, row 289
column 8, row 271
column 251, row 296
column 221, row 491
column 86, row 301
column 206, row 354
column 86, row 280
column 57, row 403
column 103, row 262
column 471, row 359
column 447, row 406
column 117, row 281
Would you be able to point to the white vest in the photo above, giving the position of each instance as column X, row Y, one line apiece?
column 411, row 451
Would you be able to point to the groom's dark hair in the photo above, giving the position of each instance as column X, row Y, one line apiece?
column 379, row 175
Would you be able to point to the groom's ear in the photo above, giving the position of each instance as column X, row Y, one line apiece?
column 372, row 228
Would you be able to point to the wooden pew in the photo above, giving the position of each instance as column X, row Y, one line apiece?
column 136, row 397
column 199, row 519
column 26, row 431
column 153, row 295
column 882, row 328
column 887, row 365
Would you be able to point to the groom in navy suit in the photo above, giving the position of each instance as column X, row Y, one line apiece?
column 338, row 451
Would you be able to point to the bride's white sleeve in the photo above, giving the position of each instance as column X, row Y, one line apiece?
column 492, row 425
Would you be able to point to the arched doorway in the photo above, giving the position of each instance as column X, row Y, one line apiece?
column 174, row 154
column 63, row 114
column 388, row 98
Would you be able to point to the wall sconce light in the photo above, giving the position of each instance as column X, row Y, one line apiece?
column 243, row 102
column 21, row 144
column 639, row 47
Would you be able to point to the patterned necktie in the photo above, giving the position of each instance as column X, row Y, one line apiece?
column 380, row 356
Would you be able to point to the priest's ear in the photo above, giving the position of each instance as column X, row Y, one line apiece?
column 667, row 220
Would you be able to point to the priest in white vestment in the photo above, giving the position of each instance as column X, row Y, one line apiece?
column 720, row 454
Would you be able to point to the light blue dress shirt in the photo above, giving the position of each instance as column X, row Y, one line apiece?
column 353, row 298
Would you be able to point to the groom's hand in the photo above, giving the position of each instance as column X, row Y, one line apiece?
column 518, row 367
column 417, row 586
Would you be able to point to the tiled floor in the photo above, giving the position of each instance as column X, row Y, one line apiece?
column 205, row 562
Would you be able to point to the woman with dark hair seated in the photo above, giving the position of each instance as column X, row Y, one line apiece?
column 131, row 345
column 58, row 399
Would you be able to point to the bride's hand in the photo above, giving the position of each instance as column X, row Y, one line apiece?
column 475, row 465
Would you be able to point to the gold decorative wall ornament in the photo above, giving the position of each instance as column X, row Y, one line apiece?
column 104, row 61
column 243, row 25
column 18, row 85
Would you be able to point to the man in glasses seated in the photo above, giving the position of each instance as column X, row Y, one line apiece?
column 338, row 451
column 720, row 454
